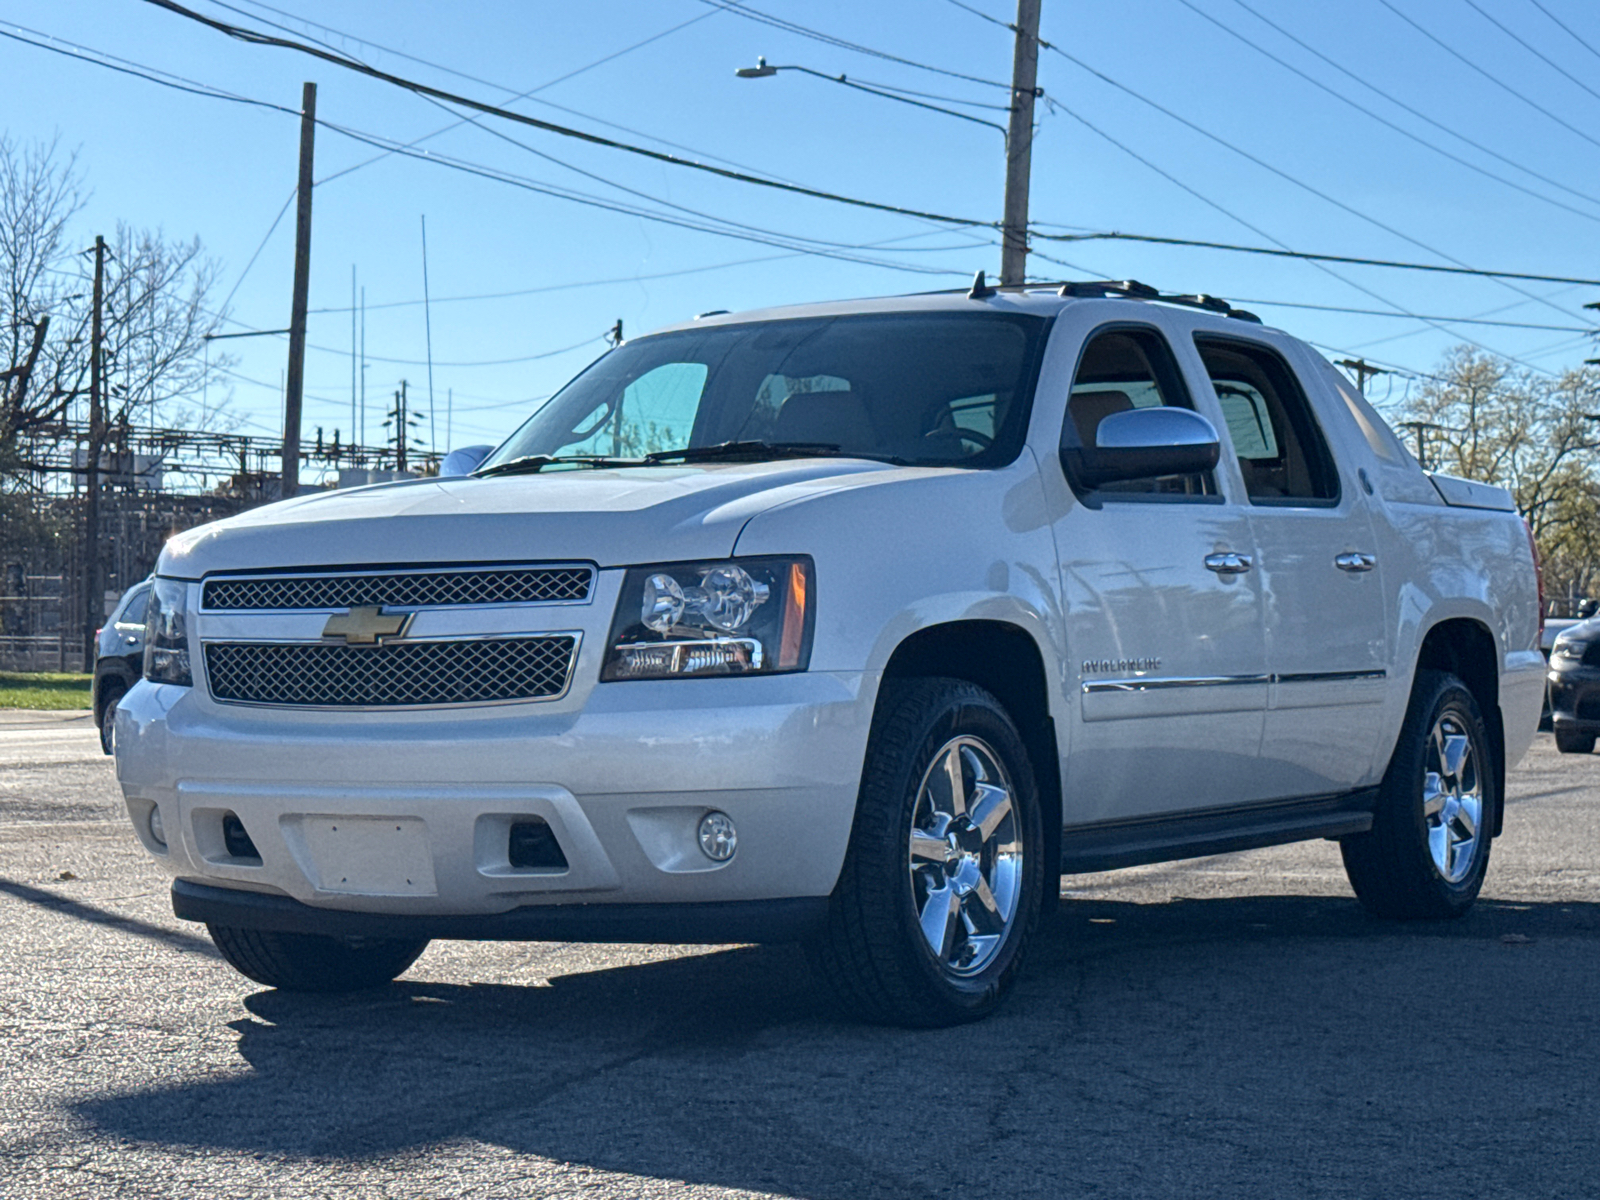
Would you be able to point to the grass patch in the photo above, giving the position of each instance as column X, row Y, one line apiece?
column 44, row 690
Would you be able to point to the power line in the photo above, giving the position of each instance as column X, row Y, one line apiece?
column 1307, row 255
column 271, row 229
column 1248, row 225
column 1377, row 312
column 565, row 287
column 546, row 189
column 1262, row 163
column 694, row 212
column 713, row 225
column 1539, row 54
column 1382, row 120
column 1567, row 28
column 254, row 37
column 752, row 14
column 1490, row 76
column 889, row 87
column 1401, row 104
column 1395, row 337
column 175, row 82
column 981, row 15
column 531, row 94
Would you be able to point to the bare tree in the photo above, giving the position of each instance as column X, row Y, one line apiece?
column 155, row 317
column 40, row 193
column 1534, row 435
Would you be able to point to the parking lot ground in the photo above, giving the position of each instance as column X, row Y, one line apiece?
column 1230, row 1027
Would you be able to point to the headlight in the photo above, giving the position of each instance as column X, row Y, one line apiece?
column 744, row 616
column 1569, row 648
column 166, row 634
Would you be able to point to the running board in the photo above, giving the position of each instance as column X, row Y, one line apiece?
column 1108, row 845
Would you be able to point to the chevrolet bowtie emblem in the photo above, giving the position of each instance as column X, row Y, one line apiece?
column 366, row 626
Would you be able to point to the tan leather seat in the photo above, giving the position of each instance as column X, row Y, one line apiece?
column 1088, row 409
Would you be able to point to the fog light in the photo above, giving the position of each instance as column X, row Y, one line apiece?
column 718, row 838
column 158, row 832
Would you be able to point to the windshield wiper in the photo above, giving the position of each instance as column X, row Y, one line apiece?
column 531, row 464
column 753, row 449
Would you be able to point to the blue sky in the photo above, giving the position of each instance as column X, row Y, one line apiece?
column 1325, row 177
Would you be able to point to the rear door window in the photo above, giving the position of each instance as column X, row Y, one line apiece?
column 1282, row 454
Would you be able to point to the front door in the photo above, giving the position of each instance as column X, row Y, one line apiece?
column 1163, row 614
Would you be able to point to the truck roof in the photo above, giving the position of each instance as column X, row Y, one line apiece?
column 1042, row 299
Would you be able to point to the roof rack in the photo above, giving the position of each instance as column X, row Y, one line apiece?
column 1132, row 289
column 1125, row 289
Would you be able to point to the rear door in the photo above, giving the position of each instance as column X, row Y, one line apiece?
column 1318, row 570
column 1163, row 612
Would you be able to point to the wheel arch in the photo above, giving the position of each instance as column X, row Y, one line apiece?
column 1466, row 648
column 1003, row 659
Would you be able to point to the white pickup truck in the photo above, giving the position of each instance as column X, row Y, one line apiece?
column 854, row 623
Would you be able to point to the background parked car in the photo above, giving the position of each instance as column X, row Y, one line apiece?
column 1553, row 628
column 119, row 656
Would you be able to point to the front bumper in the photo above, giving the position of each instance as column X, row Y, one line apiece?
column 714, row 923
column 1575, row 698
column 407, row 815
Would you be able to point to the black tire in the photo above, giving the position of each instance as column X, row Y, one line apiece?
column 873, row 952
column 1393, row 867
column 1569, row 741
column 114, row 691
column 308, row 962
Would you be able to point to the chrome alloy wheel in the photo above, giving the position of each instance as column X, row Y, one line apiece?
column 965, row 855
column 1452, row 797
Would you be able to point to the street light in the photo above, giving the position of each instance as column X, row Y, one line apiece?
column 763, row 70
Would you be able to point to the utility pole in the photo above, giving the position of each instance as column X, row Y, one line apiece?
column 1019, row 144
column 1592, row 362
column 302, row 284
column 93, row 600
column 1421, row 428
column 401, row 420
column 1362, row 370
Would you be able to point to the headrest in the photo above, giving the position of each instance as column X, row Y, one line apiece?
column 831, row 418
column 1088, row 409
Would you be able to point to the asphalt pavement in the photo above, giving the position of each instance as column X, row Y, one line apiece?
column 1229, row 1027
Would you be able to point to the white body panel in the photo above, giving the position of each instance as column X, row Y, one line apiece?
column 622, row 771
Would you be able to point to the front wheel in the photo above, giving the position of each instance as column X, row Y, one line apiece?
column 1428, row 849
column 309, row 962
column 108, row 716
column 941, row 885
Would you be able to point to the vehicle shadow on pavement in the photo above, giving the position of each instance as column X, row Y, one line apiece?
column 1193, row 1047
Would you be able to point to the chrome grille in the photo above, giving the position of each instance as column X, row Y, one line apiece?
column 328, row 675
column 405, row 589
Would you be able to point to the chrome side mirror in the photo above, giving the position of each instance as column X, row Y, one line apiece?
column 463, row 461
column 1144, row 443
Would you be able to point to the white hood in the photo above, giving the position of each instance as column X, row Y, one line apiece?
column 609, row 517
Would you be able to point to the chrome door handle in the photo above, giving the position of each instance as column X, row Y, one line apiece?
column 1228, row 563
column 1354, row 561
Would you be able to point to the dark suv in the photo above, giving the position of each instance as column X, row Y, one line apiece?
column 1575, row 687
column 119, row 656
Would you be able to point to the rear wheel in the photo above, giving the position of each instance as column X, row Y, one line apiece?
column 1428, row 848
column 1571, row 742
column 308, row 962
column 941, row 885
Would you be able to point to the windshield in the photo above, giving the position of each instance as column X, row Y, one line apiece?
column 927, row 389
